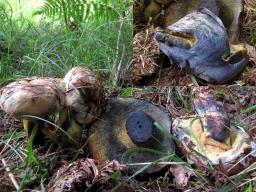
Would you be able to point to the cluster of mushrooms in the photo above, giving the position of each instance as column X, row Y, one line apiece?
column 117, row 125
column 77, row 99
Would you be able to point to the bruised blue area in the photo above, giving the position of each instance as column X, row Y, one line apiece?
column 205, row 58
column 139, row 126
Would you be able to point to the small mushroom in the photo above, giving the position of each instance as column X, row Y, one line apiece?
column 199, row 43
column 84, row 100
column 35, row 96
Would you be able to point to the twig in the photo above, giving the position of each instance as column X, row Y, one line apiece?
column 11, row 176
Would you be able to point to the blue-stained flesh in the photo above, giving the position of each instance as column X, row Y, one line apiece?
column 208, row 47
column 217, row 122
column 139, row 126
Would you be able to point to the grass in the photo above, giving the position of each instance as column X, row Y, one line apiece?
column 46, row 48
column 40, row 46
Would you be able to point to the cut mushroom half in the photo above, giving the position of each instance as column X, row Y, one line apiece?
column 196, row 144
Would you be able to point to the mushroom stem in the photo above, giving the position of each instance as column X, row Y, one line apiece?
column 43, row 130
column 29, row 124
column 75, row 130
column 68, row 123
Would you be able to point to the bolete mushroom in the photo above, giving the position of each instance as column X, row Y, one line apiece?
column 33, row 98
column 199, row 43
column 205, row 151
column 78, row 98
column 130, row 124
column 84, row 101
column 209, row 138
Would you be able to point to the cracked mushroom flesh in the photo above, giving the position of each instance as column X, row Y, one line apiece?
column 199, row 43
column 35, row 96
column 190, row 131
column 217, row 141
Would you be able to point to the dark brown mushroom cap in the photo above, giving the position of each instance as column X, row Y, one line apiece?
column 83, row 94
column 110, row 137
column 36, row 96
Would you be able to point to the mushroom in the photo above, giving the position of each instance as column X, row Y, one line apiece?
column 77, row 98
column 199, row 43
column 84, row 101
column 209, row 138
column 129, row 123
column 195, row 142
column 33, row 98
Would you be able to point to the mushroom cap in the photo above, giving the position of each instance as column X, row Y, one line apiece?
column 80, row 77
column 36, row 96
column 122, row 127
column 83, row 94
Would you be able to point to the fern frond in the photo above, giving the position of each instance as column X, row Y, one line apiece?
column 77, row 11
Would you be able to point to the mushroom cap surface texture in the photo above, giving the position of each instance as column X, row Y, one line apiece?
column 83, row 94
column 37, row 96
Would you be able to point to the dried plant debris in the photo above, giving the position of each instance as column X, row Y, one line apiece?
column 248, row 77
column 146, row 56
column 181, row 175
column 249, row 22
column 150, row 67
column 87, row 174
column 174, row 99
